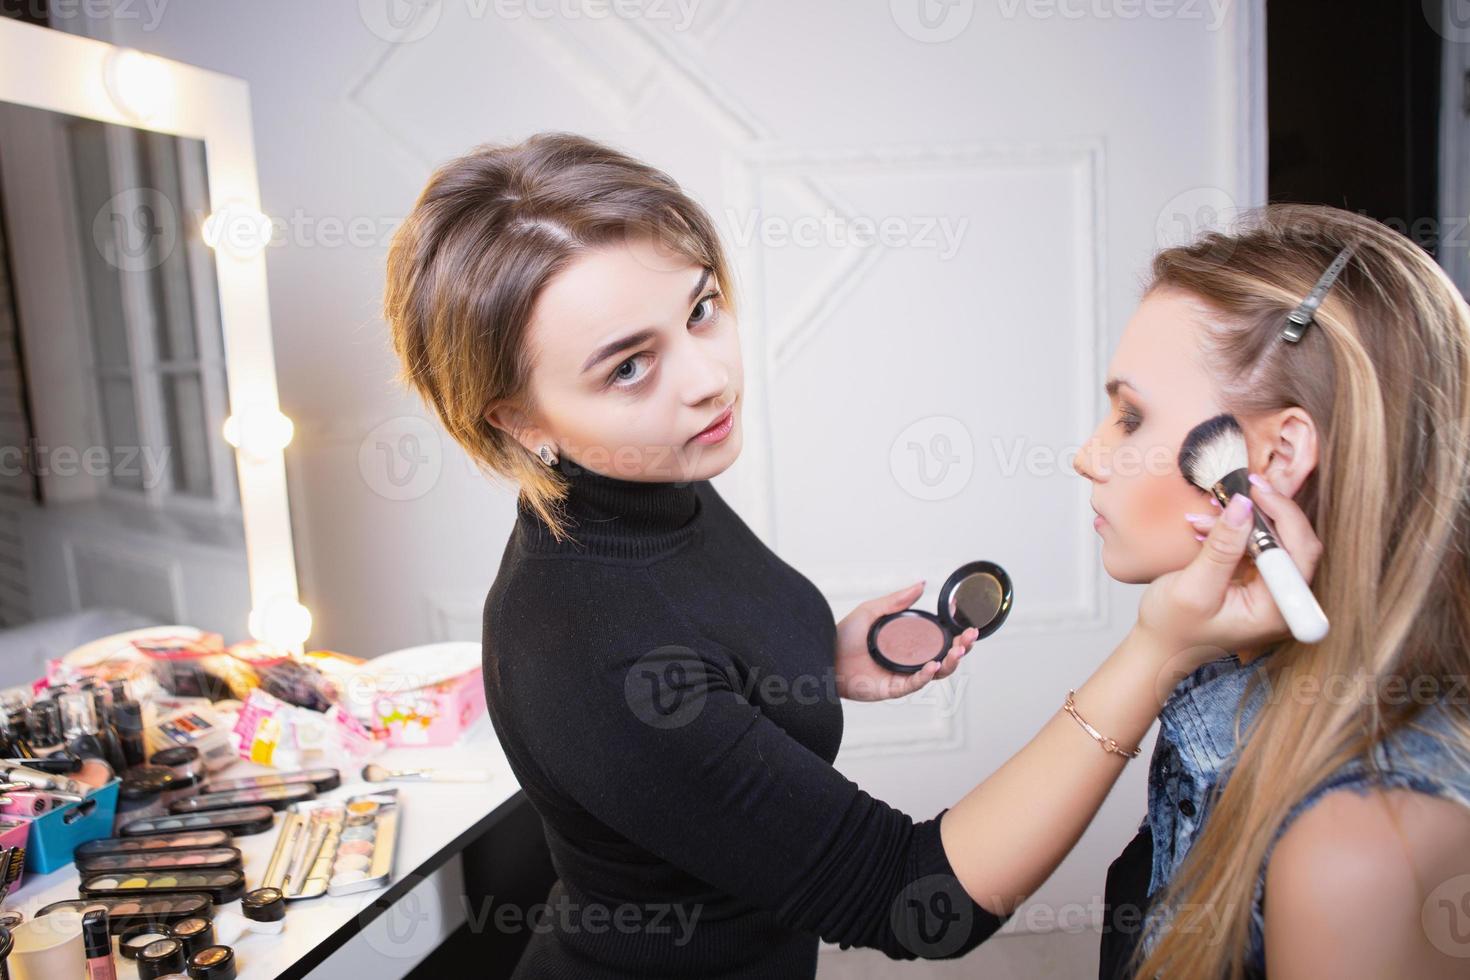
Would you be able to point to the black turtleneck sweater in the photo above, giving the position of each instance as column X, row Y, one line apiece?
column 663, row 690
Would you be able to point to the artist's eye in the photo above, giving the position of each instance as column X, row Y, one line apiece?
column 621, row 378
column 709, row 303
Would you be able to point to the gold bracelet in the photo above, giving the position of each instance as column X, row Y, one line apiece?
column 1109, row 744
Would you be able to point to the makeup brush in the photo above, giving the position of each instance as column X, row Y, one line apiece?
column 14, row 861
column 375, row 773
column 1214, row 459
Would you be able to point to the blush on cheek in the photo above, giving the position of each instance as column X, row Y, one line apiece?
column 1151, row 526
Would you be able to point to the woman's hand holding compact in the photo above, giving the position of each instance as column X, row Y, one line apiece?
column 1208, row 608
column 861, row 678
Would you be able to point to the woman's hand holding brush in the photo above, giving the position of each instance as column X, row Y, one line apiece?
column 1207, row 605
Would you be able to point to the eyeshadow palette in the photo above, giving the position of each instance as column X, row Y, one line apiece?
column 275, row 797
column 209, row 859
column 322, row 779
column 240, row 821
column 221, row 886
column 336, row 848
column 132, row 910
column 188, row 841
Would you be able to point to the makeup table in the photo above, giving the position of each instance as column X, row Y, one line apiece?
column 438, row 820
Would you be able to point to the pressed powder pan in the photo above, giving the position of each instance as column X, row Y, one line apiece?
column 977, row 594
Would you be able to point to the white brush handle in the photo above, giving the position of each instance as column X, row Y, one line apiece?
column 1304, row 617
column 457, row 775
column 441, row 775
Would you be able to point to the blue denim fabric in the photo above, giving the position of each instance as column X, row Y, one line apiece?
column 1196, row 751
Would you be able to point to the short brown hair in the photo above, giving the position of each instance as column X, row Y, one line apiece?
column 486, row 235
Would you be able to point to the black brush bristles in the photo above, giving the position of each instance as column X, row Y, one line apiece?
column 1213, row 450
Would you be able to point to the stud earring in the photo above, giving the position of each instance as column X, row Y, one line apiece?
column 547, row 456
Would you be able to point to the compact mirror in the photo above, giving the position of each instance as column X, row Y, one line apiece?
column 977, row 594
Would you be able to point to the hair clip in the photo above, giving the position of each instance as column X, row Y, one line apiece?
column 1305, row 314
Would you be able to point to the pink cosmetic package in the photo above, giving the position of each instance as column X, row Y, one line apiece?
column 433, row 715
column 425, row 695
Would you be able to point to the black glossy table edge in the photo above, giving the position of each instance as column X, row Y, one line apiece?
column 399, row 888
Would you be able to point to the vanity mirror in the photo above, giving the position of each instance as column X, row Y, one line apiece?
column 141, row 471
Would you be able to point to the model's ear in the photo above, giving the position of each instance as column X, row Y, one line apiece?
column 509, row 418
column 1283, row 448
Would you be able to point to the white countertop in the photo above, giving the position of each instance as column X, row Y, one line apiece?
column 438, row 820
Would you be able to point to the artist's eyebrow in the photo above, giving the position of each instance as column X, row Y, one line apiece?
column 635, row 339
column 1119, row 382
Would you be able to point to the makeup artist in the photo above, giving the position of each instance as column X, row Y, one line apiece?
column 667, row 690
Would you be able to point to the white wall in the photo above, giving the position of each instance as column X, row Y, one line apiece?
column 1066, row 148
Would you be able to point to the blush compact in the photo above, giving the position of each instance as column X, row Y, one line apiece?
column 977, row 594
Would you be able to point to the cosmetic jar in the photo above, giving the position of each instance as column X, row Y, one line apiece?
column 195, row 934
column 213, row 963
column 183, row 760
column 132, row 940
column 266, row 906
column 978, row 594
column 159, row 958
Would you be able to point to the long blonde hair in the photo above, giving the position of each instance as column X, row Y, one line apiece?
column 1385, row 375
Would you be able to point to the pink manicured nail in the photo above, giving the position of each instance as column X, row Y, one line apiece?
column 1214, row 502
column 1239, row 511
column 1206, row 519
column 1261, row 484
column 1199, row 537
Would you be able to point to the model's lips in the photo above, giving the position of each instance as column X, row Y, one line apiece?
column 717, row 424
column 1099, row 520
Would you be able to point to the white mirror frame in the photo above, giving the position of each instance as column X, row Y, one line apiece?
column 79, row 76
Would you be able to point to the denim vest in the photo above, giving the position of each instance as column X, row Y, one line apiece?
column 1195, row 753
